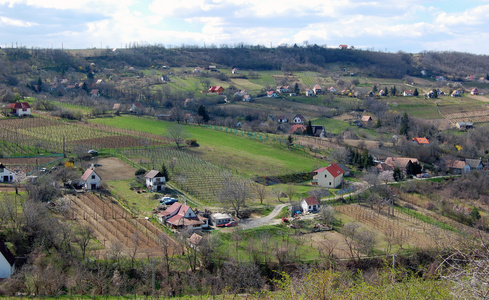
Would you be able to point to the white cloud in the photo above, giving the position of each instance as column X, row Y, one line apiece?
column 17, row 23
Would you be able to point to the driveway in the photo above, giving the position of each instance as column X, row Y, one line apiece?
column 268, row 220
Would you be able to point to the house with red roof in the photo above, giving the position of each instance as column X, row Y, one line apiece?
column 19, row 109
column 310, row 204
column 7, row 261
column 330, row 176
column 309, row 93
column 91, row 179
column 272, row 94
column 297, row 129
column 155, row 181
column 421, row 141
column 180, row 215
column 216, row 89
column 343, row 47
column 408, row 93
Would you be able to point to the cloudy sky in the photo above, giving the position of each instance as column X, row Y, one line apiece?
column 385, row 25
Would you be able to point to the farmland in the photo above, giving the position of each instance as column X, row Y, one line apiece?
column 114, row 225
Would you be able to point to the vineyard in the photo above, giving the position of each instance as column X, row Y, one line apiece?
column 198, row 177
column 55, row 136
column 28, row 164
column 472, row 116
column 113, row 225
column 404, row 229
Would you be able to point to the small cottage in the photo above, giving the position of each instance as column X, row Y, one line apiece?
column 91, row 179
column 310, row 204
column 7, row 261
column 155, row 181
column 6, row 175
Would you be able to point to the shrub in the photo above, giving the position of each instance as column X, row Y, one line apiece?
column 140, row 172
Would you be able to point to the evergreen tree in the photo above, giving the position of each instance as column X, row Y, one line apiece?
column 164, row 172
column 202, row 112
column 404, row 125
column 398, row 175
column 296, row 88
column 85, row 87
column 386, row 91
column 393, row 91
column 416, row 93
column 487, row 76
column 309, row 128
column 378, row 124
column 374, row 89
column 435, row 93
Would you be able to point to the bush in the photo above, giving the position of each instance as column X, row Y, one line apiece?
column 192, row 143
column 140, row 172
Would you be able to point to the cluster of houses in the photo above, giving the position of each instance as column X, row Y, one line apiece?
column 63, row 85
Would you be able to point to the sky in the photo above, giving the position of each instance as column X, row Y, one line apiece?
column 382, row 25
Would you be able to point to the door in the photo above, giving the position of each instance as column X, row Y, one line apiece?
column 5, row 178
column 93, row 186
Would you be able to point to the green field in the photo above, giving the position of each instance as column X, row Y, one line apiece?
column 235, row 152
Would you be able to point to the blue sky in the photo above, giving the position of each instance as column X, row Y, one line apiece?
column 385, row 25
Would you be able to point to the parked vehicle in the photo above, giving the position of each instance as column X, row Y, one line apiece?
column 168, row 200
column 231, row 224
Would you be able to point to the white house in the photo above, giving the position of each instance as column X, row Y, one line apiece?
column 91, row 179
column 7, row 261
column 309, row 93
column 272, row 94
column 332, row 89
column 310, row 204
column 330, row 177
column 408, row 93
column 19, row 109
column 155, row 181
column 283, row 89
column 317, row 89
column 234, row 71
column 6, row 175
column 220, row 219
column 299, row 119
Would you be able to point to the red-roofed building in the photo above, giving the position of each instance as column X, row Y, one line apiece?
column 421, row 141
column 91, row 179
column 297, row 129
column 330, row 177
column 180, row 215
column 7, row 261
column 343, row 47
column 19, row 108
column 216, row 89
column 310, row 204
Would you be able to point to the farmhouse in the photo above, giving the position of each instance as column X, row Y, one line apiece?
column 272, row 94
column 399, row 162
column 5, row 174
column 299, row 119
column 282, row 119
column 366, row 119
column 317, row 89
column 456, row 166
column 234, row 71
column 318, row 131
column 7, row 261
column 155, row 181
column 283, row 89
column 464, row 125
column 91, row 179
column 332, row 89
column 194, row 240
column 309, row 93
column 136, row 107
column 310, row 204
column 197, row 70
column 216, row 89
column 330, row 176
column 180, row 215
column 297, row 129
column 473, row 165
column 19, row 109
column 474, row 91
column 408, row 93
column 220, row 219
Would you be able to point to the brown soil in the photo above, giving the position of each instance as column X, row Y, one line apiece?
column 114, row 169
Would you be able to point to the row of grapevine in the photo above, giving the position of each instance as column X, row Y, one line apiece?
column 194, row 175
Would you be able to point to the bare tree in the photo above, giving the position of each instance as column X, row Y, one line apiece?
column 84, row 235
column 136, row 240
column 278, row 191
column 291, row 190
column 235, row 193
column 350, row 231
column 261, row 192
column 177, row 134
column 326, row 214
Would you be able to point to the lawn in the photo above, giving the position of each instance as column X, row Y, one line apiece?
column 236, row 152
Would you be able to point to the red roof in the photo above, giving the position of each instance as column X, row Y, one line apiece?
column 334, row 170
column 87, row 174
column 18, row 105
column 294, row 128
column 421, row 140
column 311, row 201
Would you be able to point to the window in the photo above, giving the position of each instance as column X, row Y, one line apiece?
column 93, row 176
column 325, row 175
column 330, row 183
